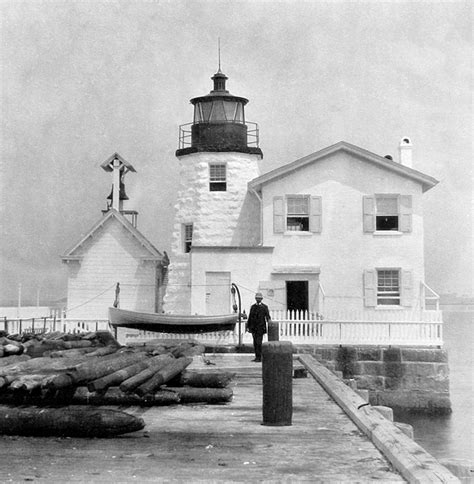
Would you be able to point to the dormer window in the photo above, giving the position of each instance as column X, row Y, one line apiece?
column 217, row 177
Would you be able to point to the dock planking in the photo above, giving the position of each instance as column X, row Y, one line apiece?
column 212, row 443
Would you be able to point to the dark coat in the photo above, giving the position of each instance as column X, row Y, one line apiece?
column 258, row 317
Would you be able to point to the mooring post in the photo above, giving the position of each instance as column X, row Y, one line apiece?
column 273, row 331
column 277, row 373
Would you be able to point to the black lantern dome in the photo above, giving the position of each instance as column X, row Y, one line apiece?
column 219, row 123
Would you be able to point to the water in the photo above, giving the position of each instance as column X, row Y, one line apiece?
column 452, row 436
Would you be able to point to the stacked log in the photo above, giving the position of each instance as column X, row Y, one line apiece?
column 95, row 370
column 10, row 347
column 67, row 421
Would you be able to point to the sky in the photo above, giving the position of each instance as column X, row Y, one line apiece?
column 81, row 80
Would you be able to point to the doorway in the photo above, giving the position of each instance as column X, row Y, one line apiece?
column 217, row 293
column 297, row 295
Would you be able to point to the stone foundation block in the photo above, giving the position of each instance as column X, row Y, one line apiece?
column 416, row 401
column 433, row 355
column 369, row 368
column 425, row 383
column 392, row 354
column 394, row 369
column 369, row 382
column 369, row 354
column 425, row 369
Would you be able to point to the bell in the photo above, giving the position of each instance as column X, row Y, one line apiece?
column 122, row 194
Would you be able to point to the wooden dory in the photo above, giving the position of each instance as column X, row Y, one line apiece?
column 171, row 323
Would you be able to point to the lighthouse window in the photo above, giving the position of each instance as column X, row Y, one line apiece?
column 297, row 213
column 239, row 114
column 217, row 113
column 187, row 237
column 217, row 177
column 229, row 108
column 206, row 111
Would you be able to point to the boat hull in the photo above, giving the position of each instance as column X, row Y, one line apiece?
column 171, row 323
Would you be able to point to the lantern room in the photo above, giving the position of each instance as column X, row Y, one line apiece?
column 219, row 123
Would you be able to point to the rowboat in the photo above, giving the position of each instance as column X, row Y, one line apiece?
column 171, row 323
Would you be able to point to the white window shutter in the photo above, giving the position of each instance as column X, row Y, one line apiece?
column 406, row 289
column 278, row 215
column 370, row 288
column 405, row 213
column 369, row 214
column 315, row 215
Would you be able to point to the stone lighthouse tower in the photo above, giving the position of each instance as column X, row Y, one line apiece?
column 218, row 155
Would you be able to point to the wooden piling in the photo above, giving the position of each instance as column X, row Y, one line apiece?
column 277, row 373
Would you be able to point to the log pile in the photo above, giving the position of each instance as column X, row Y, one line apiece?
column 93, row 369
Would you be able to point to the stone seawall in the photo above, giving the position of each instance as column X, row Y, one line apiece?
column 403, row 378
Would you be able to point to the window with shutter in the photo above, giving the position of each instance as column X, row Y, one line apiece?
column 387, row 213
column 297, row 213
column 386, row 209
column 388, row 287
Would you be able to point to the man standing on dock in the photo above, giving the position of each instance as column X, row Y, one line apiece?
column 259, row 316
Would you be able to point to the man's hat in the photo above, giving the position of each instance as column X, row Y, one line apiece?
column 259, row 294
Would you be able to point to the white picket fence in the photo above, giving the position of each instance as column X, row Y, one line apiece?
column 378, row 328
column 48, row 324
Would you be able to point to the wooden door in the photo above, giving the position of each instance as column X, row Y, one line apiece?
column 218, row 293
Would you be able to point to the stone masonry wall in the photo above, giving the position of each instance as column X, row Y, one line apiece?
column 403, row 378
column 228, row 218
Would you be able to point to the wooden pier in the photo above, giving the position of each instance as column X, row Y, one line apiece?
column 213, row 443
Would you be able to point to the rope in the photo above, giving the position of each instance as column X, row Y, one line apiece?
column 92, row 298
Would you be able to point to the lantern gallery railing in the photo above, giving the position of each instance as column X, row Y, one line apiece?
column 185, row 134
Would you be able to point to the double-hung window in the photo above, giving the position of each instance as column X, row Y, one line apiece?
column 217, row 177
column 187, row 237
column 387, row 213
column 297, row 213
column 388, row 287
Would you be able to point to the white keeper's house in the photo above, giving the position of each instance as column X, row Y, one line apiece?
column 336, row 234
column 334, row 237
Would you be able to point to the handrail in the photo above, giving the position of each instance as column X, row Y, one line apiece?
column 185, row 133
column 424, row 297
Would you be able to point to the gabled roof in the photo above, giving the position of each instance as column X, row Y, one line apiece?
column 107, row 165
column 426, row 181
column 154, row 253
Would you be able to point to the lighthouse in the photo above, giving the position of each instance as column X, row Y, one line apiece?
column 218, row 155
